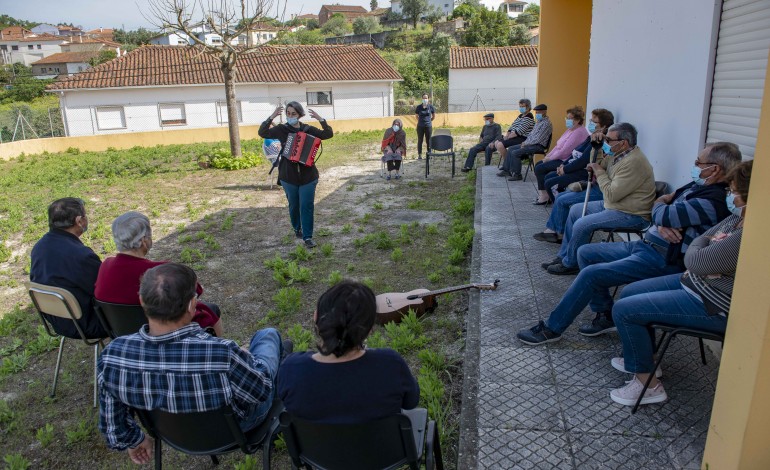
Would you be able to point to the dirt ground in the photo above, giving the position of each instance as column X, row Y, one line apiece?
column 226, row 224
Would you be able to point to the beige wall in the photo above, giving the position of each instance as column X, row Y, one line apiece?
column 739, row 432
column 219, row 134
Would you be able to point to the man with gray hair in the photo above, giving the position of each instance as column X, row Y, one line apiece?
column 60, row 259
column 677, row 219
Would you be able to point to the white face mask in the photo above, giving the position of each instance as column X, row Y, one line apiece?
column 425, row 101
column 396, row 128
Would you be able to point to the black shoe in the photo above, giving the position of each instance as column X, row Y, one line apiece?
column 298, row 233
column 516, row 177
column 287, row 347
column 503, row 173
column 466, row 169
column 601, row 324
column 538, row 334
column 544, row 203
column 556, row 260
column 549, row 237
column 561, row 270
column 419, row 157
column 310, row 243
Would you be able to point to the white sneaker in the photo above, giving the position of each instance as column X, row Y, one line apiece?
column 620, row 364
column 628, row 395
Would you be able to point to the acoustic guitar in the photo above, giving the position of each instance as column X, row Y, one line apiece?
column 393, row 306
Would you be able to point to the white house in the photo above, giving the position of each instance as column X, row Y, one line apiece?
column 513, row 8
column 29, row 49
column 157, row 87
column 45, row 28
column 202, row 32
column 261, row 33
column 491, row 78
column 63, row 63
column 444, row 6
column 171, row 39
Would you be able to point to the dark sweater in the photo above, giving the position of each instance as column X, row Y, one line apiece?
column 490, row 134
column 294, row 173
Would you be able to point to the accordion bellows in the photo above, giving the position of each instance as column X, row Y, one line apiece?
column 301, row 148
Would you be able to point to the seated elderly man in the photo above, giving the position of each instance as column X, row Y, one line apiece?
column 536, row 142
column 118, row 280
column 678, row 218
column 173, row 365
column 60, row 259
column 516, row 134
column 489, row 134
column 627, row 183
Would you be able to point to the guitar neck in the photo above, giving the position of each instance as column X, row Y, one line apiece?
column 445, row 290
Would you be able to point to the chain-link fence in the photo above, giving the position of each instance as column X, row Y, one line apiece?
column 24, row 122
column 459, row 100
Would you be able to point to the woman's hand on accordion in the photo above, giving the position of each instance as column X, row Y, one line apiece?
column 315, row 115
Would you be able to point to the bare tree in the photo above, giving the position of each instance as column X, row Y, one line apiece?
column 229, row 19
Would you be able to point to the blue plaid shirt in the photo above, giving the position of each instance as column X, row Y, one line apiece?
column 186, row 370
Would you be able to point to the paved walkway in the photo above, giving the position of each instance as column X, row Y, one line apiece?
column 549, row 407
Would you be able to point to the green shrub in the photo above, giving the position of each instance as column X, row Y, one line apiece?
column 376, row 340
column 81, row 432
column 432, row 360
column 301, row 337
column 224, row 160
column 334, row 278
column 327, row 249
column 288, row 300
column 397, row 255
column 45, row 435
column 301, row 253
column 16, row 462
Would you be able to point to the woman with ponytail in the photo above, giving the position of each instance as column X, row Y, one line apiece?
column 344, row 382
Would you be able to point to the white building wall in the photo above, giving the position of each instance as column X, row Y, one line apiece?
column 651, row 65
column 140, row 105
column 490, row 89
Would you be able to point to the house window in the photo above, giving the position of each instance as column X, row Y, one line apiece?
column 110, row 117
column 39, row 46
column 57, row 69
column 264, row 35
column 42, row 69
column 14, row 48
column 319, row 98
column 172, row 114
column 222, row 112
column 30, row 47
column 80, row 68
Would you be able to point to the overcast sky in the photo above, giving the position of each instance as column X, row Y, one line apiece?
column 127, row 14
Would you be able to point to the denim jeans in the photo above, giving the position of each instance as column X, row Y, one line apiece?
column 266, row 348
column 556, row 184
column 579, row 229
column 657, row 300
column 557, row 221
column 602, row 266
column 301, row 206
column 515, row 154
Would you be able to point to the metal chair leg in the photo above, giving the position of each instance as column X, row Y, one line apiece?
column 56, row 371
column 427, row 165
column 214, row 459
column 702, row 351
column 158, row 453
column 96, row 386
column 652, row 374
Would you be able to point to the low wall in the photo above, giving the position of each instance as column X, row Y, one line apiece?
column 220, row 134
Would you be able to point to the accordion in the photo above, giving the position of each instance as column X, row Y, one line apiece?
column 302, row 148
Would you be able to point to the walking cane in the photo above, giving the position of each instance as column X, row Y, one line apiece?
column 590, row 178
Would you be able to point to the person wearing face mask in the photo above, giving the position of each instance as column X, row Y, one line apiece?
column 536, row 142
column 677, row 219
column 119, row 276
column 573, row 137
column 297, row 180
column 699, row 298
column 394, row 147
column 516, row 134
column 425, row 113
column 489, row 133
column 60, row 259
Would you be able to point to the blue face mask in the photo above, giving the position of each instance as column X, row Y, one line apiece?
column 607, row 149
column 522, row 109
column 539, row 117
column 569, row 123
column 292, row 120
column 396, row 128
column 695, row 172
column 730, row 200
column 591, row 127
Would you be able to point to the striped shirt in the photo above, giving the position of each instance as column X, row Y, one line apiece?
column 540, row 134
column 694, row 215
column 712, row 260
column 523, row 125
column 186, row 370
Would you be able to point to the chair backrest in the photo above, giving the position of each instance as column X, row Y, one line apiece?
column 441, row 143
column 54, row 301
column 441, row 131
column 120, row 319
column 383, row 444
column 661, row 188
column 204, row 433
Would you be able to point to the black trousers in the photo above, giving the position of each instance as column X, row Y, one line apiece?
column 423, row 132
column 542, row 169
column 394, row 165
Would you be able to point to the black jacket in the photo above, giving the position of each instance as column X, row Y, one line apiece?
column 294, row 173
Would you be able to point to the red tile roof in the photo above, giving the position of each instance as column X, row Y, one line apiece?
column 43, row 38
column 88, row 40
column 492, row 57
column 15, row 32
column 341, row 8
column 67, row 58
column 308, row 16
column 175, row 65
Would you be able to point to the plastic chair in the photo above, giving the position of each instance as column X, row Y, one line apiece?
column 669, row 332
column 210, row 433
column 50, row 300
column 385, row 444
column 120, row 319
column 440, row 146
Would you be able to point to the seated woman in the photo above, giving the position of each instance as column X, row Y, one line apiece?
column 344, row 383
column 572, row 137
column 699, row 298
column 394, row 147
column 119, row 276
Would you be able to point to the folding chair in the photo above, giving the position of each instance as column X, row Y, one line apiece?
column 530, row 158
column 661, row 188
column 669, row 332
column 440, row 146
column 386, row 444
column 210, row 433
column 58, row 302
column 441, row 131
column 120, row 319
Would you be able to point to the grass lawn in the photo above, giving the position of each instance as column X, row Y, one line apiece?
column 233, row 229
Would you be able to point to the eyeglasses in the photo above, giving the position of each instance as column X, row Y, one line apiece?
column 729, row 190
column 700, row 163
column 607, row 139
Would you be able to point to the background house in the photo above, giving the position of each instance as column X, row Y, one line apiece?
column 63, row 64
column 171, row 39
column 513, row 8
column 350, row 12
column 28, row 47
column 261, row 33
column 45, row 28
column 444, row 6
column 86, row 44
column 158, row 87
column 491, row 78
